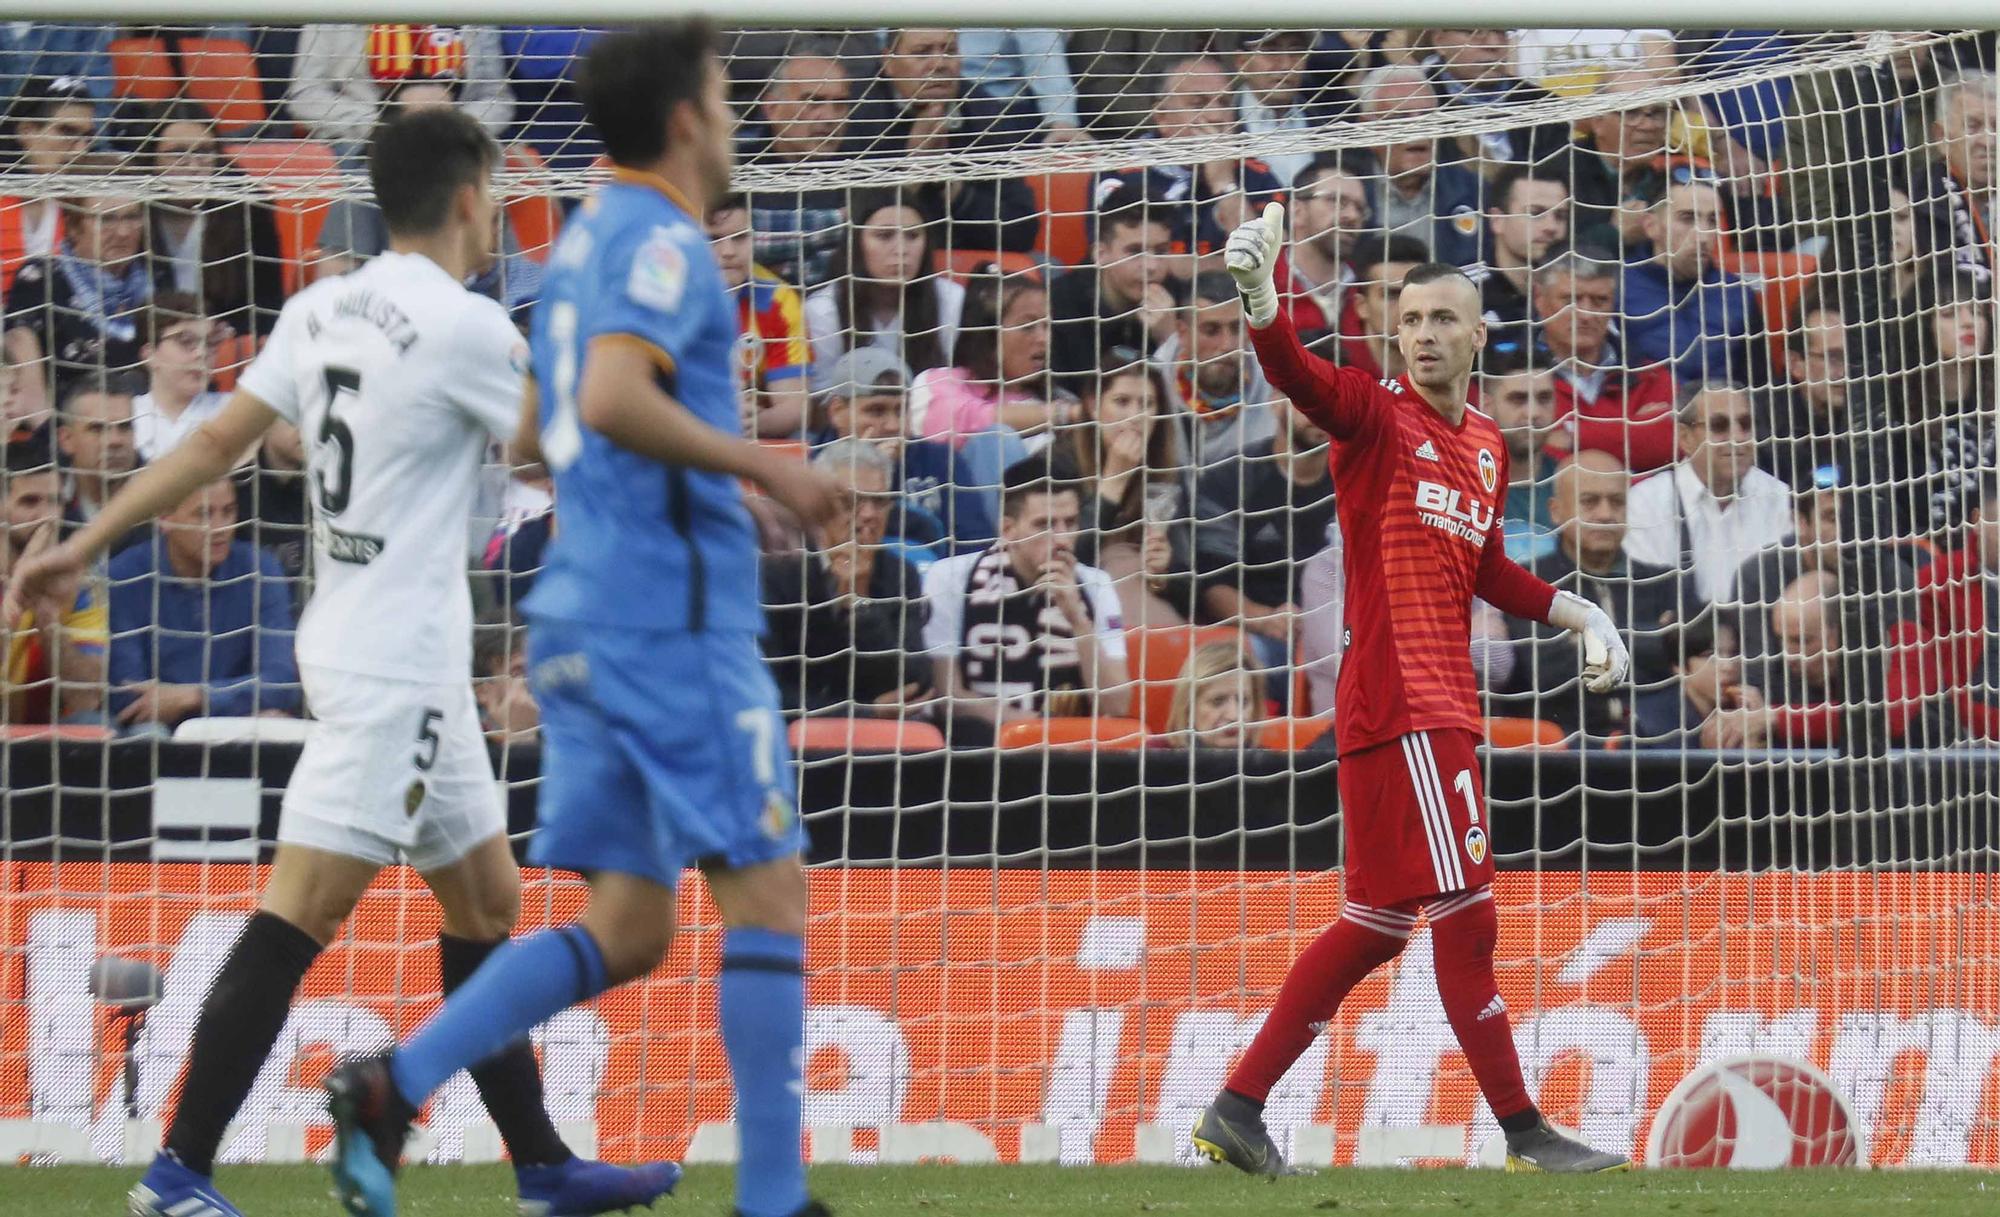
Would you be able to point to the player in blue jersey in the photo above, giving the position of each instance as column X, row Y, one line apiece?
column 663, row 748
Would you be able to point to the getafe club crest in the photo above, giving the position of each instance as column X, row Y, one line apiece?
column 1489, row 469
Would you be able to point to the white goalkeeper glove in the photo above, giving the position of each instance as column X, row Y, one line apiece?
column 1605, row 660
column 1250, row 256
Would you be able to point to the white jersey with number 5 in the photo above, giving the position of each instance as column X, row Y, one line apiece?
column 395, row 375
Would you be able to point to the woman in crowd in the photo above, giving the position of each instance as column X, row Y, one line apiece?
column 1940, row 432
column 1219, row 701
column 224, row 252
column 884, row 290
column 79, row 308
column 1001, row 373
column 1137, row 489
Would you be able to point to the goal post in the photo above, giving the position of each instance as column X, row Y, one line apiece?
column 1738, row 287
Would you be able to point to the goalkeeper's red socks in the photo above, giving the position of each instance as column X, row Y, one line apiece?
column 1464, row 931
column 1321, row 978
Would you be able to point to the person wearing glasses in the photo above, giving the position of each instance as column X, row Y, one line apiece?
column 1711, row 510
column 1622, row 161
column 179, row 340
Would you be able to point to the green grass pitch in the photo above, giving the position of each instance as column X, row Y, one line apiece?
column 1015, row 1191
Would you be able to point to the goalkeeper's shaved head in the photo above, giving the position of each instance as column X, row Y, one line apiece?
column 1439, row 328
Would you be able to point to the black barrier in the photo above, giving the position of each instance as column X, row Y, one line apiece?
column 1167, row 809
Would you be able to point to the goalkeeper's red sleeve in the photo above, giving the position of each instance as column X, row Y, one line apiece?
column 1338, row 400
column 1507, row 586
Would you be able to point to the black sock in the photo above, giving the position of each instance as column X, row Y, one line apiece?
column 240, row 1020
column 510, row 1082
column 1521, row 1121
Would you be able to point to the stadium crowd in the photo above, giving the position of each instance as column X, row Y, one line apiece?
column 1740, row 341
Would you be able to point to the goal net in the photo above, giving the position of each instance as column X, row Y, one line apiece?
column 1060, row 675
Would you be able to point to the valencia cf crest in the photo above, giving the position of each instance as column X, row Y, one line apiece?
column 1489, row 469
column 1475, row 844
column 413, row 798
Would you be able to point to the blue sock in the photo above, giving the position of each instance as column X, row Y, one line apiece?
column 763, row 1029
column 519, row 987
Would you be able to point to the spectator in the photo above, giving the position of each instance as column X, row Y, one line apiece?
column 1410, row 193
column 54, row 669
column 1121, row 299
column 223, row 253
column 1522, row 401
column 1845, row 126
column 1707, row 704
column 343, row 73
column 1329, row 216
column 1713, row 508
column 802, row 115
column 201, row 623
column 1811, row 436
column 1219, row 390
column 1959, row 603
column 51, row 124
column 1527, row 216
column 541, row 73
column 1940, row 433
column 845, row 622
column 94, row 433
column 353, row 230
column 1202, row 203
column 884, row 290
column 1322, row 632
column 179, row 344
column 1609, row 406
column 1275, row 93
column 1257, row 522
column 1218, row 700
column 1002, row 370
column 507, row 710
column 1589, row 504
column 920, row 102
column 1825, row 692
column 1476, row 68
column 773, row 355
column 866, row 398
column 1955, row 193
column 1136, row 491
column 1877, row 586
column 1030, row 63
column 1620, row 163
column 1680, row 307
column 79, row 308
column 1368, row 329
column 32, row 51
column 271, row 499
column 1022, row 628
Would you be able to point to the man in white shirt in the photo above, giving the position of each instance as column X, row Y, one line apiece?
column 1713, row 509
column 177, row 397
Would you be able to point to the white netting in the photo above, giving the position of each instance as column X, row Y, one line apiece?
column 958, row 250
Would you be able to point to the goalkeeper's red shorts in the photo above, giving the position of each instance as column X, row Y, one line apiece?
column 1415, row 816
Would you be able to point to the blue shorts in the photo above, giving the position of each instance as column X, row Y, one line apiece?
column 661, row 749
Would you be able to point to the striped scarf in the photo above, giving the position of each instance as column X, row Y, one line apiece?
column 108, row 298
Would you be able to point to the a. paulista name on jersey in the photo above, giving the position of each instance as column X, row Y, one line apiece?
column 1449, row 508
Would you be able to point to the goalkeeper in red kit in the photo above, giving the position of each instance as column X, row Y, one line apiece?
column 1419, row 477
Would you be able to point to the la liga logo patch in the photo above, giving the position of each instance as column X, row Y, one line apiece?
column 1475, row 844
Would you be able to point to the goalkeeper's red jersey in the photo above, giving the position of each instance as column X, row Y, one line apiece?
column 1419, row 504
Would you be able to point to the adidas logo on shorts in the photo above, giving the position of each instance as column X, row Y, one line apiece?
column 1427, row 451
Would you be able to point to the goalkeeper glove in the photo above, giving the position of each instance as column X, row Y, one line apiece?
column 1250, row 256
column 1605, row 660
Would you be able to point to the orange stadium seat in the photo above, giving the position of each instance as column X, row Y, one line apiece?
column 533, row 213
column 1292, row 734
column 1156, row 655
column 1525, row 733
column 142, row 69
column 291, row 164
column 1780, row 280
column 1064, row 198
column 231, row 358
column 223, row 78
column 1119, row 733
column 20, row 732
column 863, row 735
column 961, row 263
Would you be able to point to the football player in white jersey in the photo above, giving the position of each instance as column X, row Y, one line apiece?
column 396, row 376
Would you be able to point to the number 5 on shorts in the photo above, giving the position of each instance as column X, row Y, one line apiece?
column 427, row 739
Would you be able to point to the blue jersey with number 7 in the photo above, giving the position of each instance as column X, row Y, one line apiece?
column 638, row 543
